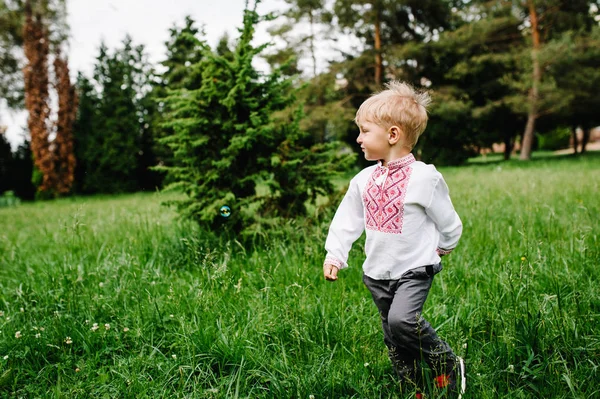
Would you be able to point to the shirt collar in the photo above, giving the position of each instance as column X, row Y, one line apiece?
column 398, row 163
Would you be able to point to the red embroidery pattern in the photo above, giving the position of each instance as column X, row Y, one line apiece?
column 441, row 251
column 384, row 202
column 330, row 260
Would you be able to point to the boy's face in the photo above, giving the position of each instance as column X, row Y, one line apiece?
column 373, row 140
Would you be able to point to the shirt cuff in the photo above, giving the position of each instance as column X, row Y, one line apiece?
column 442, row 252
column 330, row 260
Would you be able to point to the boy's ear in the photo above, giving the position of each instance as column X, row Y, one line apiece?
column 395, row 135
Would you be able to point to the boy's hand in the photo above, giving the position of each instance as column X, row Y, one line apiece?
column 330, row 272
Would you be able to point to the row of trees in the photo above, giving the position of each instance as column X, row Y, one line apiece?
column 87, row 140
column 499, row 71
column 214, row 125
column 113, row 134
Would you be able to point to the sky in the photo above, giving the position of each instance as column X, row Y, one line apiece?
column 148, row 23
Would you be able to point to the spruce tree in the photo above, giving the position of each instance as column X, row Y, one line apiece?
column 111, row 123
column 226, row 142
column 85, row 132
column 184, row 50
column 116, row 166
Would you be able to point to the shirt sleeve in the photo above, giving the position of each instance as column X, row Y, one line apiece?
column 346, row 227
column 447, row 221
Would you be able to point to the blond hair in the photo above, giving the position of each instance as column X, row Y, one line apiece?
column 399, row 105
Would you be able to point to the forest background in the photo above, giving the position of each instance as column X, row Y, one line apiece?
column 522, row 74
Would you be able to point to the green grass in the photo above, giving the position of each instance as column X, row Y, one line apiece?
column 181, row 313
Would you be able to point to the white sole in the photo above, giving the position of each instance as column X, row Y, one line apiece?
column 463, row 378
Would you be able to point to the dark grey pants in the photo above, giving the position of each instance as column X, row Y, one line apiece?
column 409, row 337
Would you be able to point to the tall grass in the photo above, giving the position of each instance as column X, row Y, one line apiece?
column 113, row 297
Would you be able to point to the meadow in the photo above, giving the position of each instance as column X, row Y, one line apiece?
column 114, row 297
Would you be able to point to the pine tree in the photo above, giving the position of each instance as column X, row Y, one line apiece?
column 223, row 46
column 390, row 22
column 113, row 148
column 544, row 22
column 225, row 142
column 577, row 75
column 85, row 132
column 468, row 67
column 184, row 51
column 311, row 14
column 151, row 153
column 113, row 132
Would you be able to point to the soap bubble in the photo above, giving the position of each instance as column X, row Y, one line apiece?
column 225, row 211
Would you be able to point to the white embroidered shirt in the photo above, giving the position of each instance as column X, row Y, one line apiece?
column 408, row 216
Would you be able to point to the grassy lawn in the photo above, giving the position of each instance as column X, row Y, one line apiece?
column 113, row 297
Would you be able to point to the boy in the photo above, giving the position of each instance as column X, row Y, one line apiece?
column 410, row 222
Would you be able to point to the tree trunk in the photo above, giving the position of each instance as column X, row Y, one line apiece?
column 575, row 141
column 586, row 138
column 508, row 147
column 378, row 56
column 63, row 143
column 527, row 141
column 35, row 74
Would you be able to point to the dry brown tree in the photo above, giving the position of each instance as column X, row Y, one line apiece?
column 54, row 160
column 64, row 156
column 36, row 45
